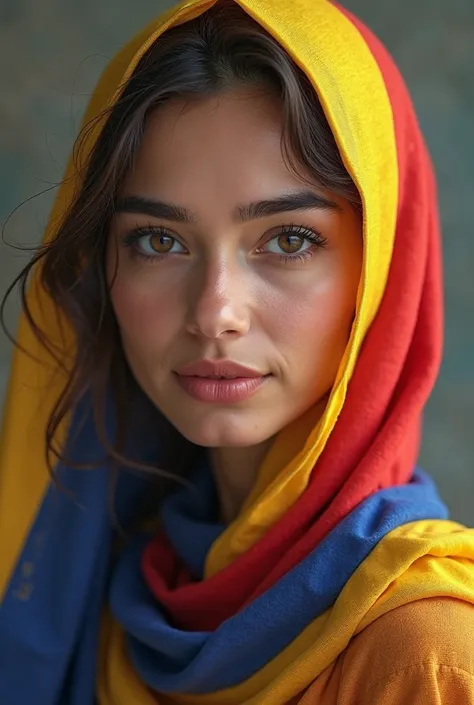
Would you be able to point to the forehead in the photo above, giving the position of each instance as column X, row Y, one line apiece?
column 221, row 150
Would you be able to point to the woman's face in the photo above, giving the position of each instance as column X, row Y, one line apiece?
column 222, row 255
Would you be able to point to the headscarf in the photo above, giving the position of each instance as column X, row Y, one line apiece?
column 339, row 528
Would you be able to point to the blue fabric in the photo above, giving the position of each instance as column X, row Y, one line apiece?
column 171, row 660
column 189, row 518
column 52, row 634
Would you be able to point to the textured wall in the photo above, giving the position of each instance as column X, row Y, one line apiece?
column 51, row 52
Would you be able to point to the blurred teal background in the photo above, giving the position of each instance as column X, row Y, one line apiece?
column 51, row 52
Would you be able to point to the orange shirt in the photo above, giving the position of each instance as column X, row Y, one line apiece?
column 418, row 654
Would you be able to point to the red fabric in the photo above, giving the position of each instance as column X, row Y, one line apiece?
column 376, row 439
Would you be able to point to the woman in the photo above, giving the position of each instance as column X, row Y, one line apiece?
column 239, row 289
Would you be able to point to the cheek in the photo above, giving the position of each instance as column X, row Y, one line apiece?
column 147, row 318
column 312, row 322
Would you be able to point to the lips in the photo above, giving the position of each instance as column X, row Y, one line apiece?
column 220, row 381
column 218, row 369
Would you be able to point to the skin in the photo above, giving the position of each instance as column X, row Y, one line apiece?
column 222, row 288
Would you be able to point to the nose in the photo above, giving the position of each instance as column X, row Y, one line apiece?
column 219, row 306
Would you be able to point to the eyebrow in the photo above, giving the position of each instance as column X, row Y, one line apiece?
column 155, row 209
column 297, row 201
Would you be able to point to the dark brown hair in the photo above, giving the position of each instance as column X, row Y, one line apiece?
column 220, row 50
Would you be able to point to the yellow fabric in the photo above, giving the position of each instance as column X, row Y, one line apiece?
column 420, row 560
column 118, row 683
column 420, row 653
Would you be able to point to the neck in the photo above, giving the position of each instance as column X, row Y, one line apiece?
column 235, row 471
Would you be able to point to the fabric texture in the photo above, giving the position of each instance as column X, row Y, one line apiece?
column 340, row 532
column 420, row 654
column 171, row 659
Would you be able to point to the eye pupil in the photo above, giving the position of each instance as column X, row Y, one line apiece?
column 290, row 243
column 161, row 243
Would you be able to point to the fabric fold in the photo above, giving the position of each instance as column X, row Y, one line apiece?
column 172, row 658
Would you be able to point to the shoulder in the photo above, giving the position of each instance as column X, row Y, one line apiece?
column 421, row 653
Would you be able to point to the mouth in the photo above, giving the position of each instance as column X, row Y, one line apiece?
column 220, row 381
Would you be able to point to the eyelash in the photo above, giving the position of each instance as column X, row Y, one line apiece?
column 307, row 234
column 131, row 239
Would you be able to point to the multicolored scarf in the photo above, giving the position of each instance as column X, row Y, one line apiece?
column 339, row 529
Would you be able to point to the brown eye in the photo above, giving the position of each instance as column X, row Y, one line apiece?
column 294, row 243
column 290, row 243
column 161, row 244
column 154, row 243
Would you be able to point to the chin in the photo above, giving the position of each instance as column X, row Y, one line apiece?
column 222, row 433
